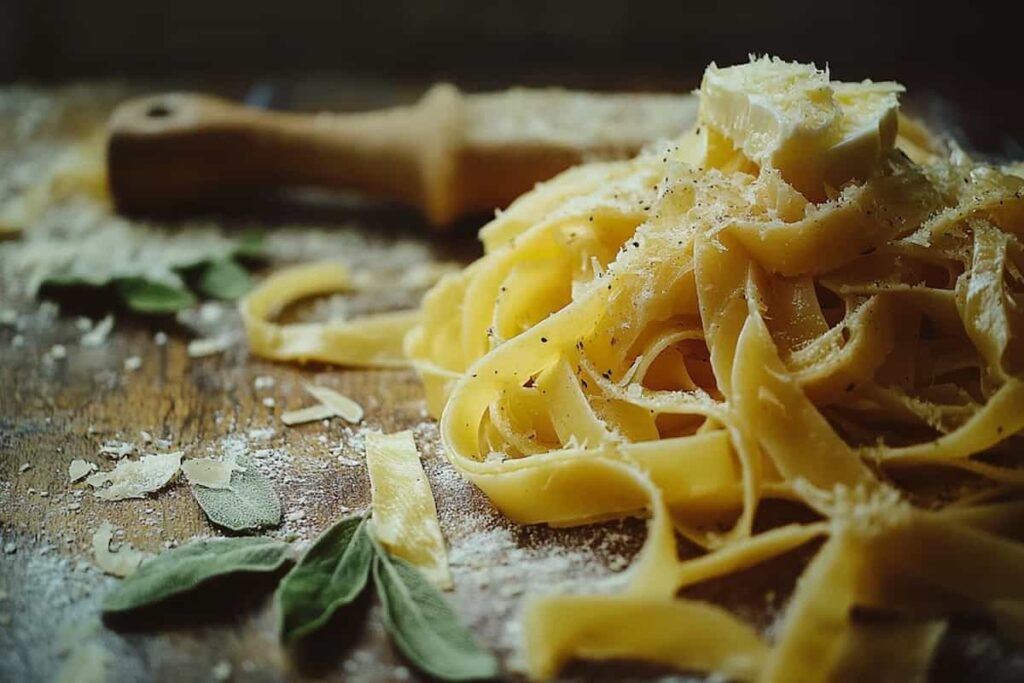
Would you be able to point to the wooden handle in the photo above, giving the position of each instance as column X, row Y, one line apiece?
column 175, row 150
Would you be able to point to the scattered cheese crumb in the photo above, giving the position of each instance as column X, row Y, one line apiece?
column 210, row 473
column 8, row 316
column 136, row 478
column 304, row 415
column 132, row 363
column 263, row 382
column 97, row 336
column 198, row 348
column 160, row 338
column 146, row 436
column 332, row 404
column 221, row 671
column 79, row 469
column 116, row 449
column 269, row 402
column 122, row 562
column 211, row 312
column 17, row 340
column 342, row 405
column 25, row 467
column 58, row 351
column 261, row 434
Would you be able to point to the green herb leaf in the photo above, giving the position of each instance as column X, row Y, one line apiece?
column 249, row 502
column 79, row 280
column 423, row 625
column 329, row 576
column 148, row 296
column 251, row 246
column 183, row 569
column 224, row 279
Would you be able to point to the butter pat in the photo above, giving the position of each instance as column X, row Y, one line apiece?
column 817, row 133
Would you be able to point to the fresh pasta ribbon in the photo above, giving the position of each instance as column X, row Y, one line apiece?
column 712, row 324
column 372, row 340
column 404, row 514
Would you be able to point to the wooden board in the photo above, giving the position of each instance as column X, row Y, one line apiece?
column 55, row 408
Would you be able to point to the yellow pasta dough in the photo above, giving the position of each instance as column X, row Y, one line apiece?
column 404, row 515
column 790, row 301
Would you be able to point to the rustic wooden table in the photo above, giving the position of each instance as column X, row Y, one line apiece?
column 57, row 406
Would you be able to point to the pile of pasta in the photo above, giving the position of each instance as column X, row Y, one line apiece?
column 809, row 307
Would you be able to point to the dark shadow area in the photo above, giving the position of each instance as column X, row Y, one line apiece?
column 971, row 650
column 966, row 57
column 323, row 651
column 223, row 601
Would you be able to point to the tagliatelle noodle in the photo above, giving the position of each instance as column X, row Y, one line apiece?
column 372, row 340
column 685, row 334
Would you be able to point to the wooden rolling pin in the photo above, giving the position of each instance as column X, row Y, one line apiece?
column 448, row 155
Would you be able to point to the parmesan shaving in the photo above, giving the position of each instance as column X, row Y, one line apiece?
column 404, row 515
column 210, row 472
column 121, row 562
column 309, row 414
column 341, row 405
column 200, row 348
column 79, row 469
column 136, row 478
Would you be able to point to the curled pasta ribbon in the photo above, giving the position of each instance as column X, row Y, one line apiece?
column 733, row 342
column 371, row 340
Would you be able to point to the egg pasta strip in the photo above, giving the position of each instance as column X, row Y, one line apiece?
column 797, row 310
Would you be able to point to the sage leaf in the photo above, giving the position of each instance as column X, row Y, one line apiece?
column 251, row 246
column 331, row 574
column 149, row 296
column 424, row 627
column 77, row 280
column 182, row 569
column 249, row 503
column 224, row 279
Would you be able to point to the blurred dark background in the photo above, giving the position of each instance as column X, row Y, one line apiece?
column 962, row 62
